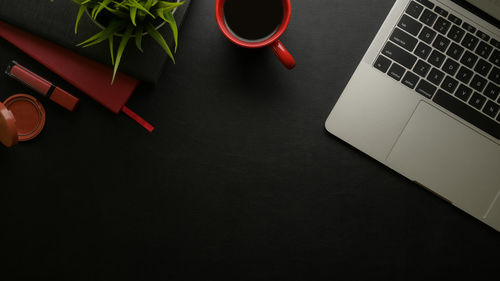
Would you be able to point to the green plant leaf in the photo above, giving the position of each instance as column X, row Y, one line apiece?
column 103, row 4
column 169, row 5
column 111, row 49
column 173, row 26
column 138, row 36
column 133, row 13
column 159, row 39
column 112, row 28
column 121, row 49
column 81, row 2
column 160, row 13
column 117, row 12
column 134, row 3
column 149, row 4
column 81, row 10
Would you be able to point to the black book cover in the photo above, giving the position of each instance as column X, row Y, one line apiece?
column 55, row 21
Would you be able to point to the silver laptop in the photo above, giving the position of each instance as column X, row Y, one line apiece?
column 425, row 101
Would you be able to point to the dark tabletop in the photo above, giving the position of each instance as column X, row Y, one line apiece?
column 240, row 180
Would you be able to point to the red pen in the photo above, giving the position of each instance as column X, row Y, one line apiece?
column 42, row 86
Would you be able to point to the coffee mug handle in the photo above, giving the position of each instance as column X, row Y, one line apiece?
column 283, row 55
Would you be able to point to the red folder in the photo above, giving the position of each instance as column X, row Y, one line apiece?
column 88, row 76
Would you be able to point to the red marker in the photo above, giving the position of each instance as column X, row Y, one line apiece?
column 42, row 86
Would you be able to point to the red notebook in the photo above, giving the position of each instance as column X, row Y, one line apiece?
column 88, row 76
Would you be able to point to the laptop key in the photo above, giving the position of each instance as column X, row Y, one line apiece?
column 442, row 25
column 470, row 42
column 464, row 75
column 495, row 58
column 469, row 27
column 423, row 50
column 484, row 50
column 455, row 51
column 477, row 101
column 422, row 68
column 399, row 55
column 396, row 71
column 469, row 59
column 436, row 58
column 403, row 39
column 456, row 34
column 495, row 43
column 450, row 66
column 478, row 83
column 427, row 35
column 483, row 35
column 410, row 80
column 441, row 43
column 410, row 25
column 449, row 84
column 428, row 17
column 467, row 113
column 492, row 91
column 426, row 89
column 440, row 11
column 483, row 67
column 491, row 109
column 382, row 63
column 426, row 3
column 463, row 92
column 454, row 19
column 495, row 75
column 435, row 76
column 414, row 9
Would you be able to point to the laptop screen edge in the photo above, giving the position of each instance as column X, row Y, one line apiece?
column 490, row 15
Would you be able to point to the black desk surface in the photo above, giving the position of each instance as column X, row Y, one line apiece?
column 239, row 181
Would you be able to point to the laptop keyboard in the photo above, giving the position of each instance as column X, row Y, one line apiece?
column 448, row 61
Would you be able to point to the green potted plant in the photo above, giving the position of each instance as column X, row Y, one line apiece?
column 128, row 19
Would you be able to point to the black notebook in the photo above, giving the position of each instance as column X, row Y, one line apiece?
column 55, row 21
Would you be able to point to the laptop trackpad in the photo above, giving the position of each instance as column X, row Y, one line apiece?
column 449, row 158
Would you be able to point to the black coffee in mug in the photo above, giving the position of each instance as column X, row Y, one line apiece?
column 253, row 19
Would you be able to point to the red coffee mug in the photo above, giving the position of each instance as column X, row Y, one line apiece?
column 278, row 49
